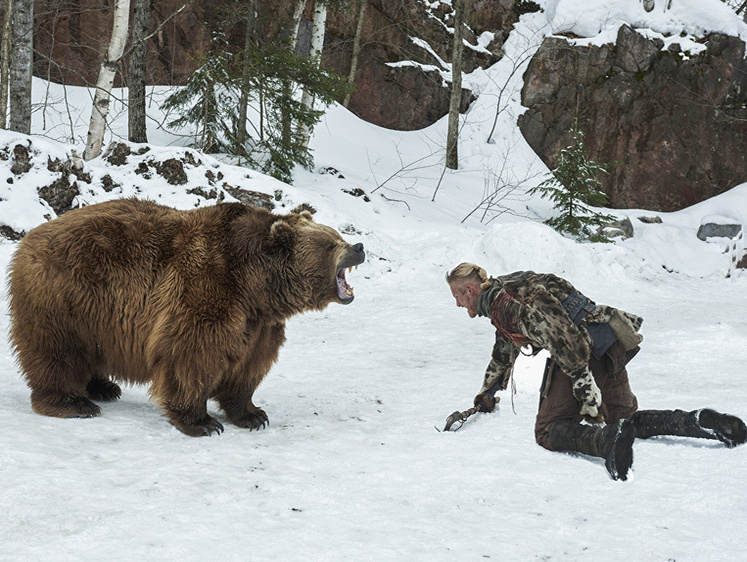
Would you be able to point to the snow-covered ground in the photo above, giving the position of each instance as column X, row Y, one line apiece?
column 352, row 465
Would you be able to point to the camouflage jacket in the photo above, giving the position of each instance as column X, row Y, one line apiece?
column 526, row 309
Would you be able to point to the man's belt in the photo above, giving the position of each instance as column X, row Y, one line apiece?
column 578, row 306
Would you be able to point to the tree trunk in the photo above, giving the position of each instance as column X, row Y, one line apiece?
column 356, row 51
column 100, row 109
column 286, row 124
column 21, row 66
column 5, row 62
column 137, row 129
column 296, row 23
column 452, row 137
column 246, row 72
column 318, row 28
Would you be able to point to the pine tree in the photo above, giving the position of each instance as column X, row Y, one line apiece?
column 573, row 187
column 211, row 99
column 207, row 100
column 276, row 152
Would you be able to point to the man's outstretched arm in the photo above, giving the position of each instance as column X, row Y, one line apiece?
column 497, row 374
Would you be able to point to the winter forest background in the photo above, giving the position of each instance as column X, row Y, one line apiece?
column 352, row 463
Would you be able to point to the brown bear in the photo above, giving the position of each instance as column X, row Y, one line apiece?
column 192, row 302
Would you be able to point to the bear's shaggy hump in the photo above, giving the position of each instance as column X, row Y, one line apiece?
column 192, row 302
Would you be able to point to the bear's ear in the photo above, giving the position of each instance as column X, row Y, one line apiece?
column 305, row 210
column 282, row 235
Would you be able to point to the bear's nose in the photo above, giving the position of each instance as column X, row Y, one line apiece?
column 358, row 248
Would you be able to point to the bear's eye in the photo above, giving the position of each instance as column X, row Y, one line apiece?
column 331, row 246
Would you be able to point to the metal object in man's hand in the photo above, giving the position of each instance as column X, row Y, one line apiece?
column 459, row 417
column 462, row 416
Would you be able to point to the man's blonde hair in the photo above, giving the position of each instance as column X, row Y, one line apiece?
column 468, row 273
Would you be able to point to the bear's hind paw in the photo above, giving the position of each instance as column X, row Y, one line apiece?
column 48, row 404
column 103, row 390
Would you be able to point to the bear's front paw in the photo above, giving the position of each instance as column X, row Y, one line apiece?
column 254, row 419
column 103, row 390
column 202, row 428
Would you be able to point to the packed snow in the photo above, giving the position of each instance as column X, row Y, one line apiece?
column 353, row 465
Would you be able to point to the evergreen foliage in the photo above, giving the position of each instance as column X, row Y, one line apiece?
column 209, row 102
column 573, row 187
column 274, row 68
column 207, row 99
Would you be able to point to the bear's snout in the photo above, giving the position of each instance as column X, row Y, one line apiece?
column 355, row 255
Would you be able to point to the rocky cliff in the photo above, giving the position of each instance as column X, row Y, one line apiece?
column 672, row 123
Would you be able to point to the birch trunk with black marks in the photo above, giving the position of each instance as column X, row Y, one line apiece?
column 286, row 122
column 100, row 109
column 21, row 64
column 356, row 51
column 452, row 137
column 318, row 27
column 5, row 62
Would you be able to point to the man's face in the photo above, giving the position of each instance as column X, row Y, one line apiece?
column 466, row 297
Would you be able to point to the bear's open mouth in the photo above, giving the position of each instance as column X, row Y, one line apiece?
column 351, row 259
column 344, row 291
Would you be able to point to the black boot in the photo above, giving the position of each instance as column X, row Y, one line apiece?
column 613, row 443
column 703, row 424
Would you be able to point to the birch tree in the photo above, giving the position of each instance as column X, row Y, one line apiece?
column 5, row 62
column 318, row 27
column 296, row 23
column 356, row 51
column 100, row 109
column 136, row 125
column 286, row 119
column 452, row 137
column 21, row 66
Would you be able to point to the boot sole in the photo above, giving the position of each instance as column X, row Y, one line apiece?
column 730, row 430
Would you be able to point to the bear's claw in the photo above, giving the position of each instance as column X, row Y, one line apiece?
column 214, row 426
column 255, row 419
column 203, row 428
column 103, row 390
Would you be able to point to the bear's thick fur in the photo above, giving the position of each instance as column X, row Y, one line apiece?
column 192, row 302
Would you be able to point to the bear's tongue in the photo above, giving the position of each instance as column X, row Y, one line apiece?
column 343, row 289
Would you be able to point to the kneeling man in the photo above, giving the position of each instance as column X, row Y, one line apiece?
column 585, row 378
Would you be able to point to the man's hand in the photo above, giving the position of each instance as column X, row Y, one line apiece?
column 599, row 417
column 586, row 391
column 485, row 402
